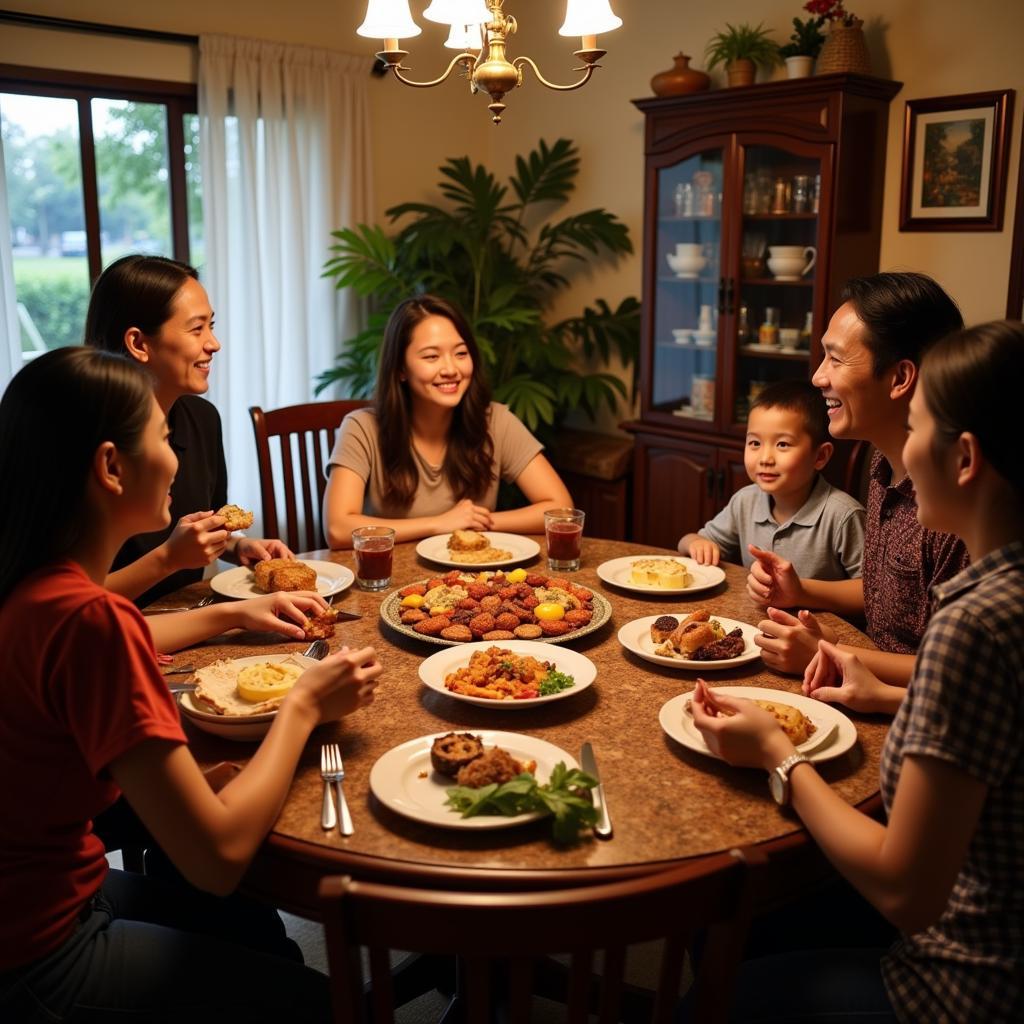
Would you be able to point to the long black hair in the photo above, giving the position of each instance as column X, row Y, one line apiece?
column 972, row 381
column 469, row 457
column 134, row 291
column 55, row 413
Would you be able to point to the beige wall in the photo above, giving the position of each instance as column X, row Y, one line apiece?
column 940, row 48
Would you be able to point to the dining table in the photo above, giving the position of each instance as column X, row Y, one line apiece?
column 668, row 803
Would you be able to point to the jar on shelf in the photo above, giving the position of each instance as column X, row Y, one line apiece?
column 804, row 338
column 780, row 196
column 801, row 193
column 684, row 199
column 768, row 332
column 743, row 335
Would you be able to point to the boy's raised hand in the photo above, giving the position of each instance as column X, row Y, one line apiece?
column 773, row 580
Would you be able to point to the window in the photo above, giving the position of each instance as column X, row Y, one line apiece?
column 96, row 168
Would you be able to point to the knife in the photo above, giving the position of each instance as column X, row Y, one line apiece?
column 603, row 828
column 340, row 616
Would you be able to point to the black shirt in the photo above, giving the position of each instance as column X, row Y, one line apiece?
column 200, row 483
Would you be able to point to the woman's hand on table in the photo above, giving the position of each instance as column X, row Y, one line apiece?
column 738, row 731
column 271, row 614
column 250, row 550
column 773, row 580
column 196, row 541
column 838, row 677
column 789, row 642
column 340, row 684
column 464, row 516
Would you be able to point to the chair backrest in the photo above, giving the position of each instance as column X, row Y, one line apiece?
column 305, row 436
column 518, row 931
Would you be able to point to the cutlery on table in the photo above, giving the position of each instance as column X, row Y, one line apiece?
column 603, row 828
column 330, row 754
column 179, row 671
column 202, row 603
column 317, row 650
column 328, row 817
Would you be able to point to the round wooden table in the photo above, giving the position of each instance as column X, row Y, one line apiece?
column 667, row 803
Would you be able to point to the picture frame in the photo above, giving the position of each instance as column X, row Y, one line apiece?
column 956, row 153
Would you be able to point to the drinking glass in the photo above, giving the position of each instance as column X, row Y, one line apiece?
column 563, row 531
column 374, row 547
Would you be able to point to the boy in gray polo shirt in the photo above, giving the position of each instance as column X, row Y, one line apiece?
column 789, row 508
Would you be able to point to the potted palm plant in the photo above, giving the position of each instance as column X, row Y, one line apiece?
column 803, row 47
column 742, row 48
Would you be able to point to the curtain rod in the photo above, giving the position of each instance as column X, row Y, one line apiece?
column 71, row 24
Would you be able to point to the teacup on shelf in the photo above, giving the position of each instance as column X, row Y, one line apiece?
column 686, row 264
column 791, row 262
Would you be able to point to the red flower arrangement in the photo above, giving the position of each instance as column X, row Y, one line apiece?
column 831, row 10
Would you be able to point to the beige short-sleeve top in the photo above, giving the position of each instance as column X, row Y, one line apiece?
column 357, row 448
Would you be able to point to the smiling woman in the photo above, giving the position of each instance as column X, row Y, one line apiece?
column 428, row 457
column 155, row 311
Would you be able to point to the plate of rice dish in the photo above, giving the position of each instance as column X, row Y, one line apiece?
column 482, row 550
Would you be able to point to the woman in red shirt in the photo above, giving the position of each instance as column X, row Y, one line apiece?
column 85, row 715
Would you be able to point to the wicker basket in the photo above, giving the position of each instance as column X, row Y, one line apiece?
column 845, row 50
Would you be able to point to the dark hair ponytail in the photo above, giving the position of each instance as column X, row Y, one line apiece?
column 55, row 413
column 134, row 291
column 972, row 381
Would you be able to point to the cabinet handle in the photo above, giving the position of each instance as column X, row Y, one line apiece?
column 721, row 295
column 711, row 484
column 729, row 285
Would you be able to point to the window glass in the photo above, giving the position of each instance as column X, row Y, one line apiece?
column 44, row 191
column 194, row 187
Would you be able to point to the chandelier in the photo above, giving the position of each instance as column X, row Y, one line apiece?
column 480, row 30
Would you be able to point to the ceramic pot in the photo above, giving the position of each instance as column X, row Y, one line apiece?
column 799, row 67
column 791, row 262
column 741, row 72
column 845, row 50
column 680, row 79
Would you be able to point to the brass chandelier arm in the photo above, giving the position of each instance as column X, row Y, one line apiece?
column 588, row 71
column 468, row 59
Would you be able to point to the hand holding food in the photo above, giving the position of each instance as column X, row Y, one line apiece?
column 249, row 550
column 340, row 684
column 773, row 580
column 196, row 541
column 739, row 731
column 271, row 614
column 787, row 642
column 235, row 517
column 464, row 516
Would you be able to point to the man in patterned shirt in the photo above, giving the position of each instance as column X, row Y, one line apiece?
column 872, row 350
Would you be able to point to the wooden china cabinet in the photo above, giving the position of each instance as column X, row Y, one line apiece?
column 743, row 188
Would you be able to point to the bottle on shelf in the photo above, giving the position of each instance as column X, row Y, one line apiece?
column 768, row 332
column 804, row 339
column 743, row 335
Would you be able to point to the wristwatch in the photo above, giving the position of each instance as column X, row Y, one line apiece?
column 778, row 778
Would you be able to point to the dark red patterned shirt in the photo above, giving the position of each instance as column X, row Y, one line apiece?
column 902, row 562
column 965, row 706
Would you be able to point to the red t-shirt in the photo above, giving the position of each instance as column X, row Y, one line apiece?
column 80, row 687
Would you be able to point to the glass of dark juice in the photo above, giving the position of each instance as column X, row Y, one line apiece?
column 374, row 547
column 563, row 531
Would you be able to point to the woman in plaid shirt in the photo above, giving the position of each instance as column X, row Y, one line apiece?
column 947, row 867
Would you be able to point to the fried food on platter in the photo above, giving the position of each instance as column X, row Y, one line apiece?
column 467, row 540
column 236, row 517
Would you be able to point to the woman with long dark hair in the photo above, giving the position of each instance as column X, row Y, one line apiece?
column 945, row 867
column 85, row 715
column 428, row 457
column 155, row 311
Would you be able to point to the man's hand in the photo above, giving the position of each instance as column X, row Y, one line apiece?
column 773, row 580
column 789, row 642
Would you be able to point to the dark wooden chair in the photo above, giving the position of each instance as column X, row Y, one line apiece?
column 504, row 942
column 305, row 436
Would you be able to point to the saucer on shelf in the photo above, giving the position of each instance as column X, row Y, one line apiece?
column 681, row 335
column 705, row 339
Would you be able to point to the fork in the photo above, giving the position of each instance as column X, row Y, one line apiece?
column 332, row 769
column 202, row 603
column 317, row 650
column 328, row 817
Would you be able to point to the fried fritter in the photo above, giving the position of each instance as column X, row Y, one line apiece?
column 236, row 518
column 275, row 574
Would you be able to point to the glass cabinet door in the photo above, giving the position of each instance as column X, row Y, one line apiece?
column 773, row 300
column 686, row 286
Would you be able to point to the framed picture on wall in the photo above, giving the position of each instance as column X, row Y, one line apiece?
column 955, row 155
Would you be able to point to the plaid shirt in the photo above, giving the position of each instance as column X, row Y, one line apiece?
column 902, row 561
column 965, row 706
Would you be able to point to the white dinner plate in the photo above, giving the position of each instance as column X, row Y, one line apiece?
column 435, row 549
column 834, row 735
column 243, row 728
column 617, row 572
column 435, row 668
column 635, row 636
column 240, row 583
column 404, row 781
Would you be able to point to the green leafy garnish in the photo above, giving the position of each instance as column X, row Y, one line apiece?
column 563, row 797
column 555, row 682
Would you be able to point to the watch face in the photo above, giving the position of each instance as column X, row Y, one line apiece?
column 777, row 787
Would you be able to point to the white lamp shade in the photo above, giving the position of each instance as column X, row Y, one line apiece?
column 588, row 18
column 458, row 12
column 464, row 37
column 388, row 19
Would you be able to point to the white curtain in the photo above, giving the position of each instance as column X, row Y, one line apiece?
column 285, row 143
column 10, row 336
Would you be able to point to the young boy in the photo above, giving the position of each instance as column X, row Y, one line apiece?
column 789, row 508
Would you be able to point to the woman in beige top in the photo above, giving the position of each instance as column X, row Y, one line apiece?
column 427, row 457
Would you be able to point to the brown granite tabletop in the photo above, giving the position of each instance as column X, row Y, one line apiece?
column 667, row 802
